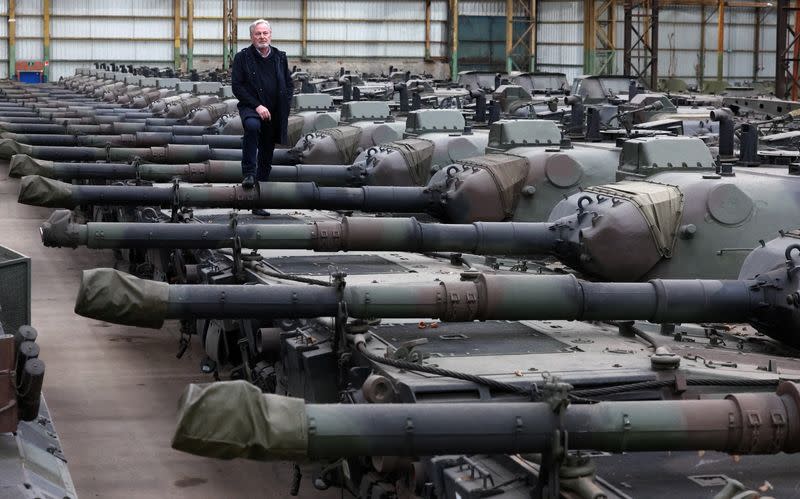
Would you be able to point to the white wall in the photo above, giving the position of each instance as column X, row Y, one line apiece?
column 376, row 32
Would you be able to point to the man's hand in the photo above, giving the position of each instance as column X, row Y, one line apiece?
column 263, row 112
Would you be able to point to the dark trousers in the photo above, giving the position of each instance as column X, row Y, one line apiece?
column 258, row 144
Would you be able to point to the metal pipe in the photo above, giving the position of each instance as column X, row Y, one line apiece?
column 189, row 35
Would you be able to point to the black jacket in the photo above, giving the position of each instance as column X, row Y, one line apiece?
column 246, row 88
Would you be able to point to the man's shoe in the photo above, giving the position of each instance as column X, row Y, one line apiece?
column 259, row 212
column 249, row 182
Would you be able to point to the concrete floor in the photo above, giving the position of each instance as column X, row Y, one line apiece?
column 113, row 390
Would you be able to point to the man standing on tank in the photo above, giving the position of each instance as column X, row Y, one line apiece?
column 261, row 81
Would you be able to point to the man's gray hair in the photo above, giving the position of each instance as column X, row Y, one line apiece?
column 256, row 23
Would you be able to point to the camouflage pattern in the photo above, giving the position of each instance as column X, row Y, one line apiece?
column 212, row 171
column 39, row 191
column 268, row 427
column 760, row 300
column 171, row 153
column 137, row 139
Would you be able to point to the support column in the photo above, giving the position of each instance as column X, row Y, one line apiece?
column 454, row 40
column 304, row 33
column 12, row 39
column 720, row 38
column 627, row 39
column 189, row 35
column 225, row 35
column 641, row 36
column 756, row 43
column 427, row 29
column 176, row 34
column 781, row 64
column 509, row 35
column 589, row 36
column 654, row 45
column 534, row 30
column 234, row 20
column 702, row 62
column 46, row 38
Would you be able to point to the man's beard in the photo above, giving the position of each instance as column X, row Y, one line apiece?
column 261, row 45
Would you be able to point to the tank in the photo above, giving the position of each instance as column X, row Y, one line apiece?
column 550, row 379
column 392, row 366
column 496, row 187
column 317, row 112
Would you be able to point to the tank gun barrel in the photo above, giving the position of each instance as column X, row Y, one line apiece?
column 351, row 234
column 116, row 297
column 265, row 426
column 171, row 153
column 212, row 171
column 137, row 139
column 40, row 191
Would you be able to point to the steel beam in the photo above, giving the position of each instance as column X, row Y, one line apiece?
column 454, row 40
column 176, row 34
column 46, row 38
column 12, row 39
column 189, row 35
column 640, row 53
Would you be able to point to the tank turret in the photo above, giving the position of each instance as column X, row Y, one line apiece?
column 676, row 224
column 364, row 124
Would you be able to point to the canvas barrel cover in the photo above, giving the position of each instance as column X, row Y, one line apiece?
column 107, row 294
column 41, row 191
column 234, row 419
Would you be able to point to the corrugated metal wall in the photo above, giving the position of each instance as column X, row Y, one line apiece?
column 680, row 40
column 140, row 32
column 357, row 29
column 560, row 37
